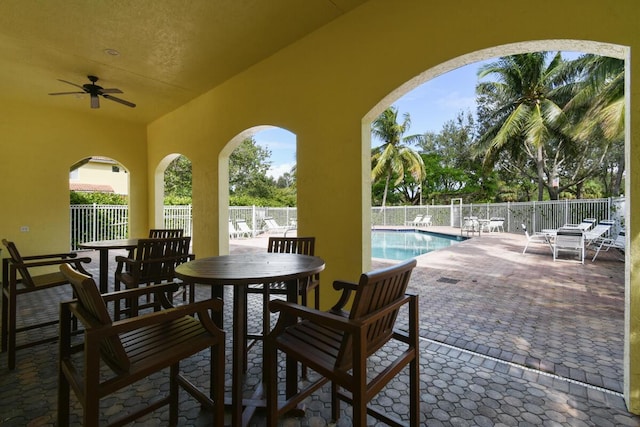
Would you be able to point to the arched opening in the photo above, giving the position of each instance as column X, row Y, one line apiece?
column 172, row 178
column 261, row 180
column 614, row 51
column 95, row 181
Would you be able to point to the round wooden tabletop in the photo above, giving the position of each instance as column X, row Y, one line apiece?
column 242, row 269
column 111, row 244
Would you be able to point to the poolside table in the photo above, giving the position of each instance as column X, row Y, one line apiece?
column 103, row 247
column 239, row 271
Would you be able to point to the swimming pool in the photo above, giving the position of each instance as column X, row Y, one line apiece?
column 404, row 244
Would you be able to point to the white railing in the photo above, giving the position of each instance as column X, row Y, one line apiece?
column 100, row 222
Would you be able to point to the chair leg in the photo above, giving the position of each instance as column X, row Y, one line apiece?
column 271, row 383
column 304, row 300
column 335, row 402
column 11, row 306
column 174, row 370
column 5, row 317
column 266, row 316
column 216, row 385
column 245, row 344
column 63, row 384
column 414, row 392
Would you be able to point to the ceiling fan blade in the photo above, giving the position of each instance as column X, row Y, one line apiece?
column 95, row 102
column 68, row 93
column 72, row 84
column 121, row 101
column 112, row 90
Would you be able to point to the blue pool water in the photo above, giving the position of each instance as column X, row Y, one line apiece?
column 400, row 244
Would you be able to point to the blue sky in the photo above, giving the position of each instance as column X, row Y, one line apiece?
column 430, row 106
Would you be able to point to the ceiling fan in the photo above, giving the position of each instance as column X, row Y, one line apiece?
column 95, row 92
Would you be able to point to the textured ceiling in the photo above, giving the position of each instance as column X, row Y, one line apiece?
column 171, row 51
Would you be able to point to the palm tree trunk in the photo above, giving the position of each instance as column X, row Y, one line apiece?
column 540, row 171
column 617, row 182
column 386, row 188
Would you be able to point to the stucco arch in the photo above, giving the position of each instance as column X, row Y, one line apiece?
column 223, row 177
column 157, row 219
column 632, row 324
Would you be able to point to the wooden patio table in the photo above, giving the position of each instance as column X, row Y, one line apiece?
column 103, row 247
column 239, row 271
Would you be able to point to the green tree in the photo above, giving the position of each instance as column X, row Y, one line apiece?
column 451, row 169
column 177, row 182
column 394, row 157
column 248, row 167
column 525, row 116
column 597, row 99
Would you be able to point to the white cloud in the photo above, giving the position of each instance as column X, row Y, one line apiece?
column 277, row 171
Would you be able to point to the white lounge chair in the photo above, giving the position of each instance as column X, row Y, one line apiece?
column 536, row 238
column 415, row 221
column 470, row 225
column 591, row 237
column 587, row 224
column 619, row 243
column 425, row 221
column 271, row 225
column 496, row 224
column 243, row 228
column 569, row 240
column 233, row 233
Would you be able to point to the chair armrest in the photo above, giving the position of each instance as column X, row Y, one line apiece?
column 136, row 292
column 202, row 308
column 75, row 261
column 122, row 260
column 290, row 311
column 347, row 288
column 45, row 256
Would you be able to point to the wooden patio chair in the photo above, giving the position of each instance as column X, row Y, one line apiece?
column 133, row 349
column 154, row 262
column 161, row 233
column 337, row 344
column 17, row 279
column 290, row 245
column 168, row 233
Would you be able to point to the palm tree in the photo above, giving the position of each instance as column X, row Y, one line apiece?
column 598, row 99
column 601, row 92
column 394, row 157
column 525, row 118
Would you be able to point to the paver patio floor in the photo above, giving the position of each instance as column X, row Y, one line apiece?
column 507, row 339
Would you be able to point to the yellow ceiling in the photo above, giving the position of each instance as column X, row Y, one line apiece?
column 171, row 51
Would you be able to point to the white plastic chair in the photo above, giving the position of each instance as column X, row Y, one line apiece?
column 569, row 240
column 536, row 238
column 619, row 243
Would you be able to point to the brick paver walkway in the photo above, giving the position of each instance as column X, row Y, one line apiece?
column 507, row 339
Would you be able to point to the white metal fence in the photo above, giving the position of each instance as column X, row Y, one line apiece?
column 101, row 222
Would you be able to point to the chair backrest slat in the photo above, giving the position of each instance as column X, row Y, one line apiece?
column 292, row 245
column 159, row 257
column 17, row 260
column 89, row 298
column 165, row 233
column 376, row 291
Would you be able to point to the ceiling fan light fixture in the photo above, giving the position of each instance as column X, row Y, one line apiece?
column 95, row 92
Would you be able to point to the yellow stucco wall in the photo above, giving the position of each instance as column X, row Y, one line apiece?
column 102, row 173
column 38, row 148
column 325, row 89
column 328, row 86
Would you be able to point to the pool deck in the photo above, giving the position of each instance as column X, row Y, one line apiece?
column 506, row 339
